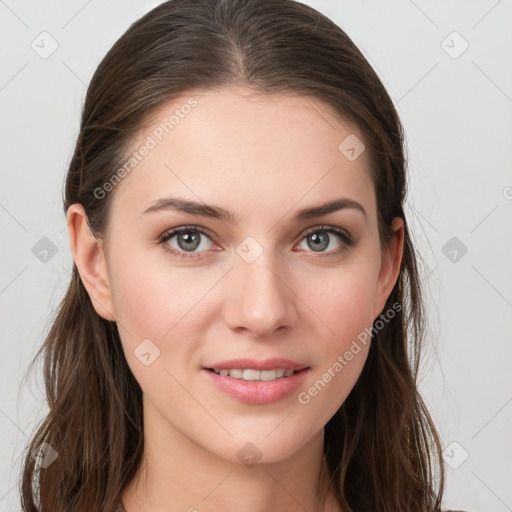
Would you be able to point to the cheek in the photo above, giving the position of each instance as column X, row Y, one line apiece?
column 341, row 299
column 161, row 304
column 150, row 299
column 157, row 304
column 347, row 315
column 340, row 357
column 343, row 304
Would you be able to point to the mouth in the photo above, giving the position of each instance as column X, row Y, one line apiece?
column 250, row 374
column 256, row 386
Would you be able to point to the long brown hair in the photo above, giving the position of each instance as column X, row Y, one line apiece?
column 381, row 447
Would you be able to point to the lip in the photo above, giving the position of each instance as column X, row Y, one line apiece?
column 257, row 392
column 253, row 364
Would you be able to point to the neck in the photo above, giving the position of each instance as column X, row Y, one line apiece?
column 178, row 475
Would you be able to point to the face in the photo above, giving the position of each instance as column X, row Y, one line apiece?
column 260, row 282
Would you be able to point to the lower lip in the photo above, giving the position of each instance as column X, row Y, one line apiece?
column 257, row 392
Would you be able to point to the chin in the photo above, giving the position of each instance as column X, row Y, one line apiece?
column 257, row 447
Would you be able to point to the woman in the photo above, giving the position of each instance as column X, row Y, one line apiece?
column 243, row 325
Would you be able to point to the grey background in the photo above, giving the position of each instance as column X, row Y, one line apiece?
column 457, row 113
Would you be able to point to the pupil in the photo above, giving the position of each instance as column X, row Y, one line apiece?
column 316, row 237
column 189, row 239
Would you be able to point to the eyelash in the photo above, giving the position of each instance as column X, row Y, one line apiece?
column 346, row 239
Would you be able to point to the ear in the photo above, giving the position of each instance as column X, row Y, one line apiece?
column 391, row 260
column 90, row 261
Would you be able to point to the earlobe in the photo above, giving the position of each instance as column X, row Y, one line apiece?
column 390, row 265
column 90, row 261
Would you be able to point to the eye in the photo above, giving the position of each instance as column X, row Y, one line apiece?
column 188, row 239
column 320, row 237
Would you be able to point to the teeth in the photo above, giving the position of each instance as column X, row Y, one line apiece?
column 249, row 374
column 268, row 375
column 237, row 374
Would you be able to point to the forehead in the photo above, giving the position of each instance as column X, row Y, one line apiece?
column 246, row 151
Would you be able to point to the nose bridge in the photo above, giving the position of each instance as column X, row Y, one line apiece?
column 262, row 301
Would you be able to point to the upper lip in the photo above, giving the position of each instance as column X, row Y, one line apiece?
column 253, row 364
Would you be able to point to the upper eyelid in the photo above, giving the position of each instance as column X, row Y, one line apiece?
column 325, row 227
column 170, row 233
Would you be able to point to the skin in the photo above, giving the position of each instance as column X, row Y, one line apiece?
column 262, row 158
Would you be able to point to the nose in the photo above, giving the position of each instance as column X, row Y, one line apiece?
column 261, row 297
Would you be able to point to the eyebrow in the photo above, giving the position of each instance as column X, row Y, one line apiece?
column 216, row 212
